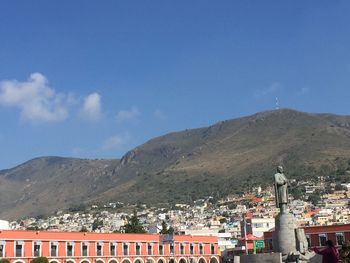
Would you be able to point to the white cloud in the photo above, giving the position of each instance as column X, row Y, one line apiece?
column 116, row 142
column 128, row 115
column 35, row 99
column 273, row 88
column 91, row 109
column 158, row 114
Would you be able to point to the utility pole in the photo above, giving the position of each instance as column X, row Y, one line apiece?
column 245, row 234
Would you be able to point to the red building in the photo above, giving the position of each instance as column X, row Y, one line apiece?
column 78, row 247
column 318, row 235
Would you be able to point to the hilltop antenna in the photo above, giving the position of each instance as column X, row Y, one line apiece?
column 277, row 104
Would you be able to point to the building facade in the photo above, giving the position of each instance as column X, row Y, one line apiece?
column 317, row 236
column 79, row 247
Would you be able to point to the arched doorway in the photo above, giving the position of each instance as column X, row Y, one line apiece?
column 112, row 261
column 161, row 260
column 126, row 261
column 213, row 260
column 202, row 260
column 182, row 260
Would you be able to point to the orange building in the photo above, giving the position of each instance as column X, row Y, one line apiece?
column 79, row 247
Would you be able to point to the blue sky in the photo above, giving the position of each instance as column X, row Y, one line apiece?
column 93, row 79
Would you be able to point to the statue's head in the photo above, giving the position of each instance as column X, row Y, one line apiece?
column 280, row 169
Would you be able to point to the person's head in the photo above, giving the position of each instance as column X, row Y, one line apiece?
column 329, row 243
column 279, row 169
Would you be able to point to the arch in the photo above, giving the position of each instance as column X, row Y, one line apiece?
column 54, row 261
column 161, row 260
column 70, row 261
column 126, row 260
column 99, row 260
column 202, row 260
column 85, row 261
column 172, row 260
column 19, row 261
column 150, row 260
column 182, row 260
column 113, row 260
column 192, row 260
column 138, row 260
column 213, row 260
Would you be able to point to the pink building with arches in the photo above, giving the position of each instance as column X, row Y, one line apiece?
column 79, row 247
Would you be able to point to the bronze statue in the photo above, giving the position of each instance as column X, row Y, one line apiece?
column 281, row 190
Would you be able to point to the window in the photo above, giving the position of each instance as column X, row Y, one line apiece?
column 201, row 252
column 339, row 238
column 322, row 239
column 191, row 249
column 182, row 249
column 2, row 249
column 125, row 249
column 112, row 250
column 19, row 248
column 37, row 249
column 70, row 249
column 161, row 249
column 308, row 239
column 149, row 248
column 99, row 247
column 53, row 249
column 212, row 249
column 171, row 248
column 85, row 249
column 138, row 249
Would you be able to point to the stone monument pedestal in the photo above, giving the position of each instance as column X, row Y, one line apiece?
column 284, row 237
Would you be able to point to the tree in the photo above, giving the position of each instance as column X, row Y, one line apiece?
column 345, row 252
column 83, row 229
column 40, row 260
column 339, row 187
column 314, row 199
column 96, row 224
column 134, row 226
column 166, row 230
column 4, row 260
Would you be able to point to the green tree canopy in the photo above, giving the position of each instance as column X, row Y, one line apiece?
column 4, row 260
column 165, row 229
column 134, row 226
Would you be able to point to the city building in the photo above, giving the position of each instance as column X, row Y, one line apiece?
column 317, row 235
column 257, row 226
column 85, row 247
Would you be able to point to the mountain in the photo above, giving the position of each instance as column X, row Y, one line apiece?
column 227, row 157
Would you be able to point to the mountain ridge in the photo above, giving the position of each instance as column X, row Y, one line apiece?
column 229, row 156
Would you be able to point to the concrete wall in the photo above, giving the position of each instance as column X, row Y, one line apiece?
column 316, row 259
column 259, row 258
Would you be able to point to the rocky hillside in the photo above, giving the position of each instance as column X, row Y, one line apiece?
column 227, row 157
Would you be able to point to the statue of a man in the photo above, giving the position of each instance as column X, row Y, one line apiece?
column 281, row 191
